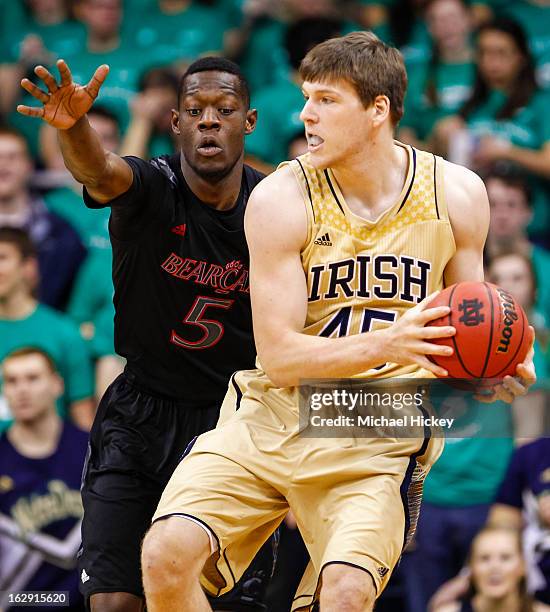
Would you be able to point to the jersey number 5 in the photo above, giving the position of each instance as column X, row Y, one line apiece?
column 212, row 331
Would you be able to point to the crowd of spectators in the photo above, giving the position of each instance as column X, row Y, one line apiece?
column 479, row 94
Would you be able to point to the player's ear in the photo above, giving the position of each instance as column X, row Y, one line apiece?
column 175, row 121
column 381, row 106
column 251, row 120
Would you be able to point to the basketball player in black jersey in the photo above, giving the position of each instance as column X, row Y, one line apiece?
column 183, row 317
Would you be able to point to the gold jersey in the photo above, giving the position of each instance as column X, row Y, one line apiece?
column 363, row 275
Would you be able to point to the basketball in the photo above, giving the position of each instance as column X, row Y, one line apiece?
column 492, row 332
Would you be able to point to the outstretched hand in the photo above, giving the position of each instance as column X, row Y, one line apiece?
column 66, row 102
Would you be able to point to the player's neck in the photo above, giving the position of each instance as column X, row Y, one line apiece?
column 372, row 180
column 17, row 305
column 220, row 195
column 38, row 438
column 509, row 603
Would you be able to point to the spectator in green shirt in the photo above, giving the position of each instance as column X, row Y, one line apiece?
column 506, row 117
column 149, row 133
column 511, row 212
column 41, row 34
column 106, row 43
column 400, row 23
column 24, row 321
column 60, row 250
column 440, row 86
column 514, row 272
column 534, row 16
column 178, row 31
column 261, row 51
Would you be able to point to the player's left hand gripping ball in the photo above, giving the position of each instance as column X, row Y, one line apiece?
column 514, row 386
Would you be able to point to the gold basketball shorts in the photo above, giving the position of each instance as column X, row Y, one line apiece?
column 356, row 501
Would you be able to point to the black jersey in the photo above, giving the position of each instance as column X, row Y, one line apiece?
column 180, row 269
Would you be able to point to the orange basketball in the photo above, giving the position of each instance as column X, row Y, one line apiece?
column 492, row 332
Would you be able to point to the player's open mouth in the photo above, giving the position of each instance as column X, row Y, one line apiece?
column 209, row 150
column 209, row 147
column 314, row 141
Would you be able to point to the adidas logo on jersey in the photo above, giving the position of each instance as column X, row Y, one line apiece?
column 84, row 576
column 179, row 230
column 323, row 240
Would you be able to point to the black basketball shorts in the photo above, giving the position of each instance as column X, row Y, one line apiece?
column 136, row 442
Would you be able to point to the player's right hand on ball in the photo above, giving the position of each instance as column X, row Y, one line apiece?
column 64, row 103
column 408, row 339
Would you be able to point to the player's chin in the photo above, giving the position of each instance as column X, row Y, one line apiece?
column 319, row 161
column 213, row 171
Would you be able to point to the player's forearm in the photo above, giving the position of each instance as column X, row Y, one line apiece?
column 83, row 154
column 104, row 174
column 298, row 356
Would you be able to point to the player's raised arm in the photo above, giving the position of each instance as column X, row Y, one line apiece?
column 276, row 229
column 64, row 106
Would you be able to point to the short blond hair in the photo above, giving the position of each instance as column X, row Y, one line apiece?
column 371, row 66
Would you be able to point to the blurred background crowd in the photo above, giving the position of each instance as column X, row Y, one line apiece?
column 479, row 94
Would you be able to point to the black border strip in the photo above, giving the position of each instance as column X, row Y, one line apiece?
column 411, row 183
column 435, row 186
column 490, row 345
column 333, row 192
column 308, row 189
column 407, row 480
column 237, row 391
column 519, row 345
column 453, row 338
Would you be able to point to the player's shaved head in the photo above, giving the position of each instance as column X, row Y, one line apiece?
column 216, row 64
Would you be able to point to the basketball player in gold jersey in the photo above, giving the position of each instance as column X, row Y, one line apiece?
column 347, row 243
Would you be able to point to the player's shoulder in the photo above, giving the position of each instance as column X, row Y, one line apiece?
column 461, row 182
column 157, row 170
column 251, row 176
column 279, row 184
column 168, row 166
column 276, row 208
column 466, row 199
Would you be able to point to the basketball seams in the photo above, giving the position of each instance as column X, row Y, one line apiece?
column 520, row 344
column 490, row 345
column 472, row 339
column 453, row 338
